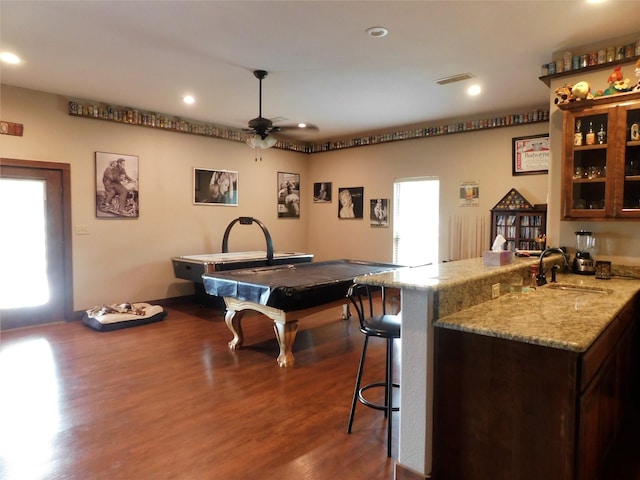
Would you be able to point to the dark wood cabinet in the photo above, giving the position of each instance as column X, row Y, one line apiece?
column 601, row 158
column 504, row 409
column 607, row 374
column 597, row 408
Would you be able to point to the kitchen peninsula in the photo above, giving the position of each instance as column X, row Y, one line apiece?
column 511, row 387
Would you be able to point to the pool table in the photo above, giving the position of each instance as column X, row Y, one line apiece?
column 285, row 294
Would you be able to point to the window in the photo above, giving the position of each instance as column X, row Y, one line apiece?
column 23, row 256
column 416, row 221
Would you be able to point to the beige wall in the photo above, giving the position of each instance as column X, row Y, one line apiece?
column 482, row 156
column 129, row 259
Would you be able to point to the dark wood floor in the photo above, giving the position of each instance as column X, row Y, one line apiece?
column 170, row 401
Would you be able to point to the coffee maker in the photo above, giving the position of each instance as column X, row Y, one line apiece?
column 583, row 263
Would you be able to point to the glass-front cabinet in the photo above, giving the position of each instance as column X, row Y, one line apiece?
column 522, row 224
column 630, row 185
column 601, row 158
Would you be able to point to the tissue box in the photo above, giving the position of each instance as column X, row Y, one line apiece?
column 503, row 257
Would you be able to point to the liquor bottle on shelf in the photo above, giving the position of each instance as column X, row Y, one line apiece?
column 577, row 136
column 602, row 135
column 591, row 136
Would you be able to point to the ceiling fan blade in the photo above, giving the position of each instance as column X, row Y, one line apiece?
column 293, row 132
column 296, row 128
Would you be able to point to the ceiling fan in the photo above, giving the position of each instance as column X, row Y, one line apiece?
column 262, row 128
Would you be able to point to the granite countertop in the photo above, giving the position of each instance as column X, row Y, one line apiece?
column 455, row 285
column 567, row 319
column 444, row 275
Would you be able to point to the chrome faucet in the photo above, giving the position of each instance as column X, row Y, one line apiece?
column 541, row 278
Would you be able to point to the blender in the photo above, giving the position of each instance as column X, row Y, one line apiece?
column 583, row 263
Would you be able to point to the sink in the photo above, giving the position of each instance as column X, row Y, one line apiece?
column 571, row 287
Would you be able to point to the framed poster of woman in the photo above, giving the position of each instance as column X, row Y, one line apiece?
column 215, row 187
column 351, row 201
column 288, row 195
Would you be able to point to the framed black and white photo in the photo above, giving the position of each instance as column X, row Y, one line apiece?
column 288, row 195
column 531, row 155
column 117, row 185
column 379, row 215
column 322, row 192
column 350, row 202
column 215, row 187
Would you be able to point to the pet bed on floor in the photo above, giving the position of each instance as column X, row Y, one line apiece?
column 123, row 315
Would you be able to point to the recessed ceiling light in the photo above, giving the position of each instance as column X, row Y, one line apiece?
column 474, row 90
column 377, row 32
column 9, row 57
column 188, row 99
column 302, row 125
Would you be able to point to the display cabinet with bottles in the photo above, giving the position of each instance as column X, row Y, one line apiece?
column 601, row 158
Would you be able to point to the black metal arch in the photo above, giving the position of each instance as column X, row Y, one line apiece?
column 249, row 221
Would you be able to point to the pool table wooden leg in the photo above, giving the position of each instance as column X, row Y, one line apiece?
column 286, row 335
column 233, row 318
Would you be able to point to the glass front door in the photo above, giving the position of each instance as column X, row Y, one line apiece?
column 33, row 269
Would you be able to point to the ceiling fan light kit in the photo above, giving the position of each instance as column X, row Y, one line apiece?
column 256, row 141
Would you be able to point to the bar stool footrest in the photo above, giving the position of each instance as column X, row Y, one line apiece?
column 371, row 404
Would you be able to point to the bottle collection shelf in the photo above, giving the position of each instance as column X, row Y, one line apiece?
column 591, row 147
column 591, row 68
column 133, row 116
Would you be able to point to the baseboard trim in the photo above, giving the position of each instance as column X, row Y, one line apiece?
column 406, row 473
column 170, row 302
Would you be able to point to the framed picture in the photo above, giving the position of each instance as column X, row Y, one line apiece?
column 531, row 155
column 351, row 202
column 469, row 194
column 322, row 192
column 215, row 187
column 379, row 216
column 288, row 195
column 117, row 192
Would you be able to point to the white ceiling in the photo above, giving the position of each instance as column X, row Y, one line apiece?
column 323, row 68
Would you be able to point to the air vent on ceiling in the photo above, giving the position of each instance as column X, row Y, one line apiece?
column 454, row 78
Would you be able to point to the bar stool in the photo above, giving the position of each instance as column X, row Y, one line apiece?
column 381, row 325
